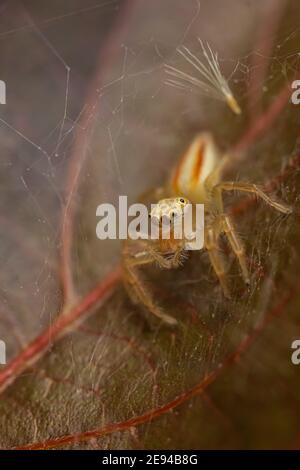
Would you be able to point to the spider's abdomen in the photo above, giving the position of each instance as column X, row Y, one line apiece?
column 199, row 161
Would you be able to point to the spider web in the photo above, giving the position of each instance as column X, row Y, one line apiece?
column 88, row 117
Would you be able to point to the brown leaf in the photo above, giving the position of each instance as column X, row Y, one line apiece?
column 118, row 379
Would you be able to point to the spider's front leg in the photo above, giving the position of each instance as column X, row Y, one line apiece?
column 216, row 195
column 236, row 245
column 136, row 284
column 225, row 221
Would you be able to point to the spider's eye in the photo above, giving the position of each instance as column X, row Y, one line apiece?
column 182, row 200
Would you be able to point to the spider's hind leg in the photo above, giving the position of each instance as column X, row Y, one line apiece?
column 216, row 257
column 236, row 245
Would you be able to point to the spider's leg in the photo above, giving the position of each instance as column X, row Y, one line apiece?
column 171, row 260
column 216, row 257
column 216, row 194
column 178, row 258
column 136, row 285
column 236, row 245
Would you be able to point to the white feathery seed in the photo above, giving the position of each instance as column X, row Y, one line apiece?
column 209, row 79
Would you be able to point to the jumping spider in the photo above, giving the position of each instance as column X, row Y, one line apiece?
column 196, row 179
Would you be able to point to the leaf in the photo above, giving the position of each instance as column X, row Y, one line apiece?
column 87, row 369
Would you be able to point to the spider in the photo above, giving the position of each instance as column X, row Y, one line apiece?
column 196, row 179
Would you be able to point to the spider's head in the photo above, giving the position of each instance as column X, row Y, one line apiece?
column 169, row 210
